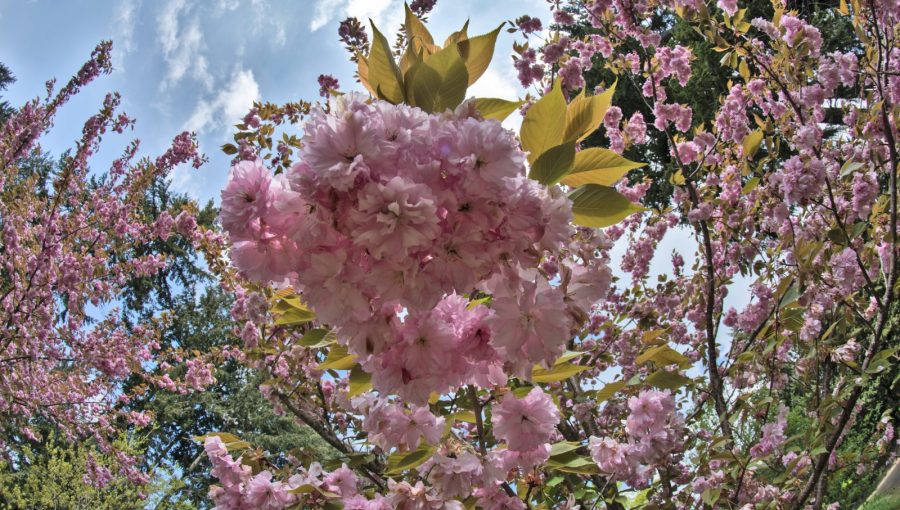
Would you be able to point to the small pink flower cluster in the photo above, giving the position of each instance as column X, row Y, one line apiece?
column 653, row 430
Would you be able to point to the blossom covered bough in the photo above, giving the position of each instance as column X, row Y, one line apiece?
column 433, row 295
column 70, row 241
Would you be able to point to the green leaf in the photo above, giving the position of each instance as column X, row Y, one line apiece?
column 477, row 53
column 568, row 356
column 599, row 206
column 439, row 82
column 751, row 143
column 382, row 72
column 559, row 372
column 317, row 338
column 598, row 166
column 554, row 164
column 562, row 447
column 544, row 122
column 338, row 359
column 294, row 316
column 493, row 108
column 585, row 114
column 360, row 381
column 847, row 168
column 229, row 148
column 400, row 462
column 576, row 464
column 711, row 495
column 667, row 380
column 607, row 392
column 415, row 29
column 664, row 355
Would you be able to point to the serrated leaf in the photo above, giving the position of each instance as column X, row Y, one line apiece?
column 607, row 392
column 544, row 122
column 664, row 355
column 751, row 143
column 556, row 373
column 598, row 166
column 457, row 36
column 585, row 114
column 415, row 28
column 400, row 462
column 553, row 164
column 599, row 206
column 493, row 108
column 666, row 380
column 338, row 359
column 382, row 72
column 439, row 82
column 477, row 52
column 360, row 381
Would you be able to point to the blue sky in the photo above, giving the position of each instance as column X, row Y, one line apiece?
column 199, row 65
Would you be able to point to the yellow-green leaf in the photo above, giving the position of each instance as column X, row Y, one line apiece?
column 751, row 143
column 664, row 355
column 477, row 53
column 667, row 380
column 599, row 206
column 544, row 122
column 457, row 36
column 493, row 108
column 562, row 447
column 415, row 29
column 439, row 82
column 383, row 73
column 607, row 392
column 294, row 316
column 400, row 462
column 360, row 381
column 559, row 372
column 598, row 166
column 317, row 338
column 585, row 114
column 553, row 164
column 338, row 359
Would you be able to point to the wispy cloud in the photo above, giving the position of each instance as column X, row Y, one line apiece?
column 385, row 13
column 182, row 46
column 123, row 38
column 228, row 106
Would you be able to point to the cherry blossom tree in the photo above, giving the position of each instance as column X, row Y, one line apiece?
column 71, row 239
column 435, row 296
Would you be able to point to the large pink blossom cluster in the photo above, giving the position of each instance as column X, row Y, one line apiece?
column 392, row 221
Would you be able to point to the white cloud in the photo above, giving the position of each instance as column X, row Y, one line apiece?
column 387, row 14
column 123, row 38
column 228, row 106
column 182, row 46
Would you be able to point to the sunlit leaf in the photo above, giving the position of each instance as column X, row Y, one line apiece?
column 400, row 462
column 493, row 108
column 383, row 73
column 751, row 143
column 585, row 114
column 599, row 206
column 542, row 127
column 663, row 355
column 477, row 53
column 360, row 381
column 556, row 373
column 553, row 164
column 598, row 166
column 338, row 359
column 439, row 82
column 664, row 379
